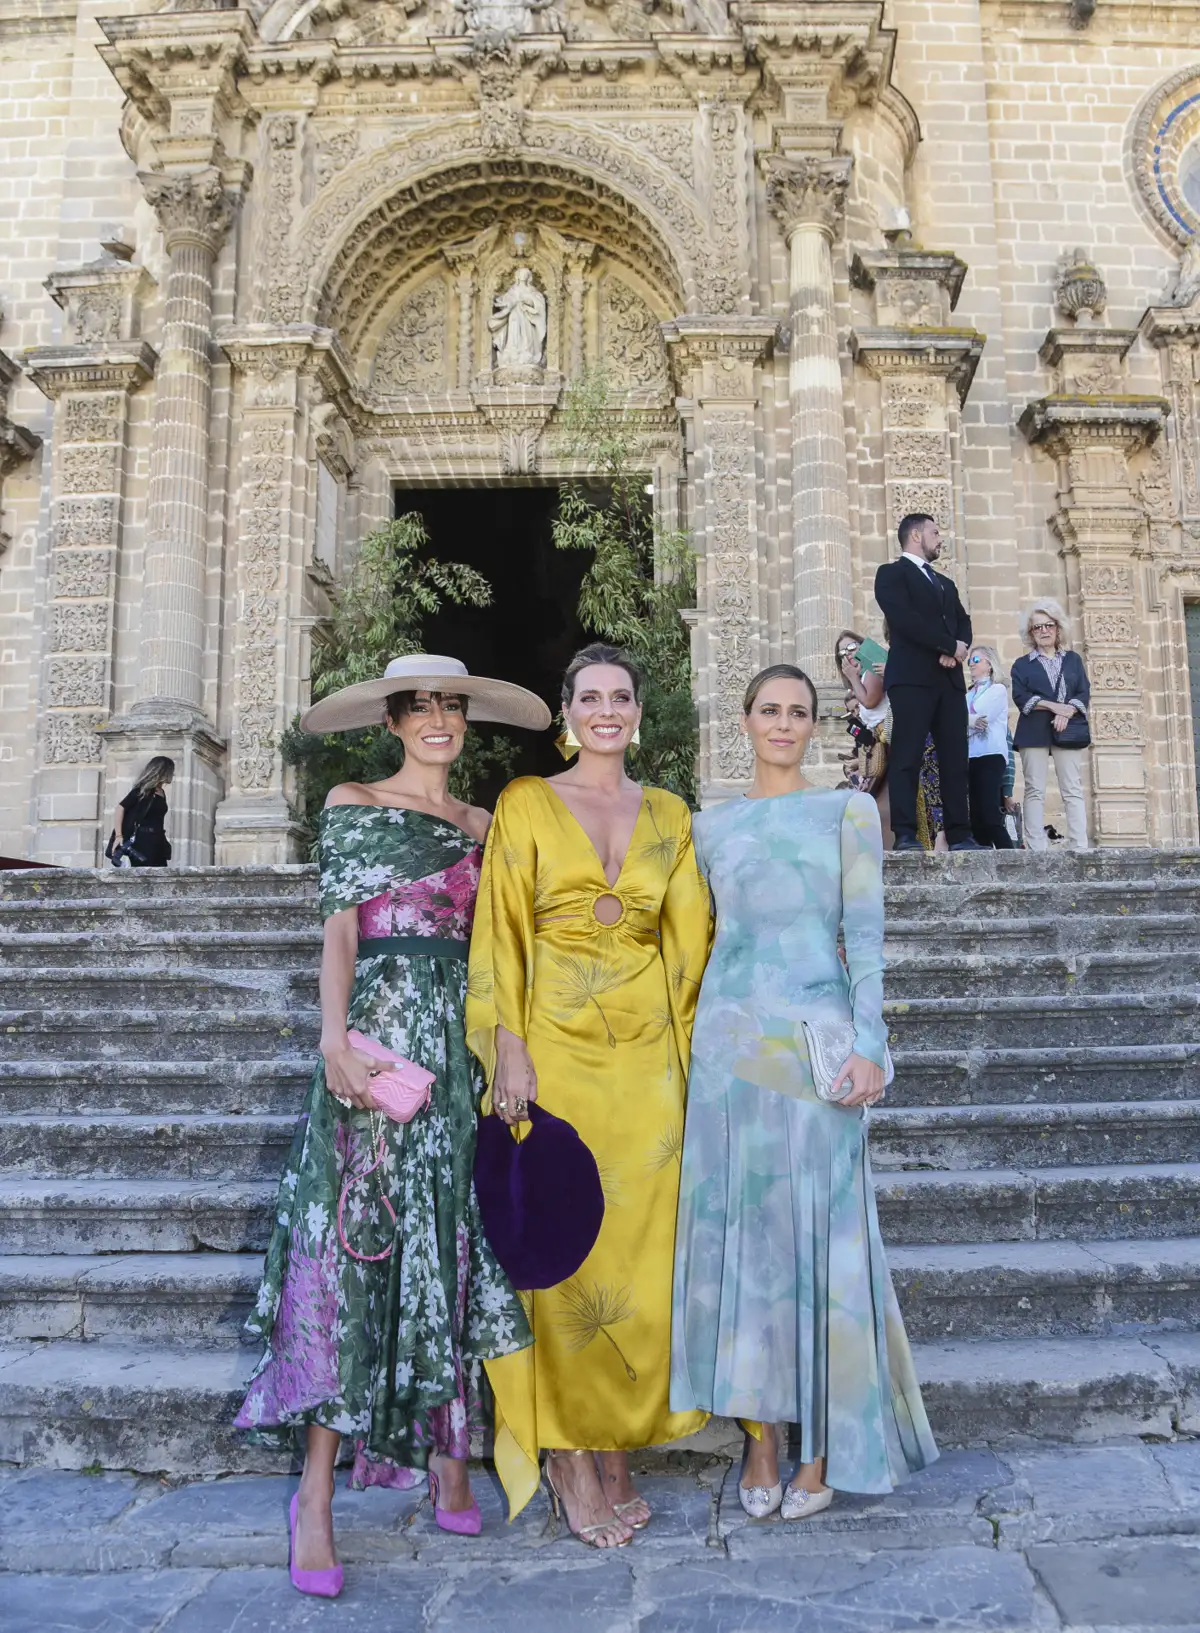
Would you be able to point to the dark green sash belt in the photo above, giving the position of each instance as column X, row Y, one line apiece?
column 412, row 947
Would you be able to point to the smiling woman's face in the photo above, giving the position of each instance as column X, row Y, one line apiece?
column 603, row 713
column 433, row 729
column 781, row 722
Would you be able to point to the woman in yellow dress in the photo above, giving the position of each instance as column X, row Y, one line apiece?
column 591, row 934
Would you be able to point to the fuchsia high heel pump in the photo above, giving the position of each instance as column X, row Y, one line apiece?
column 463, row 1522
column 321, row 1584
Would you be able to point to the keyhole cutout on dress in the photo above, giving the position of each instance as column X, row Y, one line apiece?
column 608, row 909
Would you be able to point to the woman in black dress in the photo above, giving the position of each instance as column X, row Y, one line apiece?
column 138, row 839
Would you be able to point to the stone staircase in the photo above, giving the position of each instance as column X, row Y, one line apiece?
column 1037, row 1163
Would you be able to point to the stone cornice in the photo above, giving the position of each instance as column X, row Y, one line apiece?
column 1169, row 325
column 941, row 267
column 694, row 341
column 168, row 56
column 287, row 346
column 807, row 191
column 952, row 353
column 122, row 365
column 1061, row 424
column 1063, row 343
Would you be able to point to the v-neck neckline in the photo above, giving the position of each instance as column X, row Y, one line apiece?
column 591, row 844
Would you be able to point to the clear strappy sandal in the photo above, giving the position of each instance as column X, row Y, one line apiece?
column 587, row 1534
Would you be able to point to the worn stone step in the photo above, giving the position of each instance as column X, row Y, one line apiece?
column 285, row 881
column 196, row 1147
column 1047, row 1289
column 216, row 1034
column 1140, row 1071
column 150, row 1087
column 166, row 992
column 990, row 971
column 1043, row 1136
column 296, row 949
column 1000, row 1392
column 153, row 1410
column 168, row 1410
column 193, row 1299
column 1076, row 1019
column 210, row 914
column 77, row 1216
column 1040, row 1204
column 1015, row 935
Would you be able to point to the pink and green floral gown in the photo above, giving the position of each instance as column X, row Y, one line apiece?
column 388, row 1353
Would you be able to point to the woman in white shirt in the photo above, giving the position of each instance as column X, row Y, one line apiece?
column 987, row 746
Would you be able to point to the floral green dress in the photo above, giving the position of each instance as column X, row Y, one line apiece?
column 387, row 1352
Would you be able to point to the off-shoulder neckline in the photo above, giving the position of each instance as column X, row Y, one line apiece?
column 406, row 810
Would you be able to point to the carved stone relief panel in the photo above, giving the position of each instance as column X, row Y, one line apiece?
column 414, row 352
column 729, row 612
column 630, row 338
column 264, row 493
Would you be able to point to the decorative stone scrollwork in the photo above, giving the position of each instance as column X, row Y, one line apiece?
column 335, row 147
column 930, row 499
column 77, row 682
column 808, row 191
column 1110, row 628
column 731, row 579
column 70, row 739
column 259, row 568
column 79, row 626
column 631, row 337
column 193, row 209
column 89, row 469
column 1103, row 579
column 412, row 354
column 1079, row 287
column 1115, row 675
column 1116, row 725
column 84, row 521
column 81, row 573
column 91, row 418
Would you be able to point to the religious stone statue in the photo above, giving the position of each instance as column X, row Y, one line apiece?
column 1186, row 285
column 518, row 324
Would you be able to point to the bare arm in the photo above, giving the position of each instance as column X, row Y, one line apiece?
column 119, row 825
column 867, row 686
column 347, row 1073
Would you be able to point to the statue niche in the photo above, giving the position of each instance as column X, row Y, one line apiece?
column 517, row 325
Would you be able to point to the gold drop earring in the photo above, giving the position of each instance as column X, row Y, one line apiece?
column 567, row 744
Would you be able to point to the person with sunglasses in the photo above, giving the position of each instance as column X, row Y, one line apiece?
column 1051, row 689
column 987, row 746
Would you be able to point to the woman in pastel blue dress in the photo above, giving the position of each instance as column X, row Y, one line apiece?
column 783, row 1310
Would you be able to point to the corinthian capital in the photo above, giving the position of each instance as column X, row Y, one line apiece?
column 807, row 191
column 195, row 208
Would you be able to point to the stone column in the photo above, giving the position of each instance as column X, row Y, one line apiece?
column 807, row 196
column 283, row 374
column 195, row 211
column 1100, row 522
column 925, row 367
column 89, row 377
column 716, row 365
column 463, row 262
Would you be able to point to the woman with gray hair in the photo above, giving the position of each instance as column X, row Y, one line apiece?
column 987, row 746
column 1051, row 689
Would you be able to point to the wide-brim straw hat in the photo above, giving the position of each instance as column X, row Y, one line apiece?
column 497, row 702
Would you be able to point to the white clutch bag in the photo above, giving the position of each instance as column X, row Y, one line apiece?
column 830, row 1040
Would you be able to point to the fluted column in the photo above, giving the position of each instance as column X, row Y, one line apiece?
column 196, row 212
column 807, row 196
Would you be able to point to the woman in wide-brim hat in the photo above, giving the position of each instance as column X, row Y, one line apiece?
column 377, row 1327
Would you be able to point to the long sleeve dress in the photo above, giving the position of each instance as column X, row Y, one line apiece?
column 784, row 1310
column 389, row 1352
column 606, row 1013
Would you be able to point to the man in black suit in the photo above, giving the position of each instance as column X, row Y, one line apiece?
column 928, row 634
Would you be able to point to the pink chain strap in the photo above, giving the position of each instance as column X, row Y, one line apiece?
column 360, row 1178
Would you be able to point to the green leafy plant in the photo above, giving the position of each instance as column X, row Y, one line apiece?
column 640, row 578
column 379, row 613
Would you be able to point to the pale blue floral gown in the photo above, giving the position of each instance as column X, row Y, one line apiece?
column 783, row 1306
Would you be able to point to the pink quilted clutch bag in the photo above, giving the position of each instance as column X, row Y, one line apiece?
column 400, row 1087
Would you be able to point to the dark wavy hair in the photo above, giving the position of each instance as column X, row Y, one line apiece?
column 401, row 703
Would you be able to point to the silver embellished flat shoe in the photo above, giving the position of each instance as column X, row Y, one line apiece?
column 799, row 1504
column 760, row 1502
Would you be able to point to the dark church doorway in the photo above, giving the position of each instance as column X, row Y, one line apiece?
column 531, row 630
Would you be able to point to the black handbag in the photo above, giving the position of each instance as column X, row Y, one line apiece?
column 1075, row 734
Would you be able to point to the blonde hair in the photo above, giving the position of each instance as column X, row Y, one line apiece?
column 1049, row 608
column 992, row 656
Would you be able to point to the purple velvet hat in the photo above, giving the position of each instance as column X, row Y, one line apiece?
column 540, row 1198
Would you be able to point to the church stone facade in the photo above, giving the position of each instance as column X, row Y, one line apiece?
column 840, row 259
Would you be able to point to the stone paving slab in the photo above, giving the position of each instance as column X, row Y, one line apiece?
column 1132, row 1585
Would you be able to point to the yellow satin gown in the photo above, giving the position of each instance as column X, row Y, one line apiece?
column 606, row 1012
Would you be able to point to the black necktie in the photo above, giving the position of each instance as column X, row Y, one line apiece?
column 928, row 571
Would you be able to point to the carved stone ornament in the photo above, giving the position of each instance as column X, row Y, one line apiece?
column 1079, row 291
column 412, row 353
column 193, row 209
column 631, row 338
column 493, row 24
column 70, row 739
column 518, row 328
column 1185, row 285
column 808, row 191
